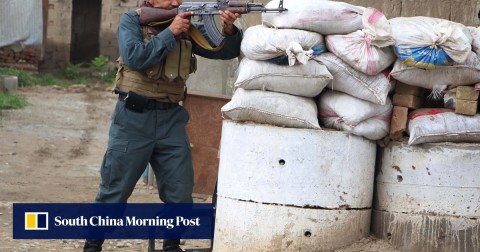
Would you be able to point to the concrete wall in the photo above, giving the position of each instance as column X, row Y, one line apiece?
column 57, row 44
column 461, row 11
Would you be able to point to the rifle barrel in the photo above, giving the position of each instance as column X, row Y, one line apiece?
column 263, row 9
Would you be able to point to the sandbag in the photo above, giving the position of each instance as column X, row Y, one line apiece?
column 303, row 80
column 442, row 125
column 367, row 50
column 475, row 33
column 324, row 17
column 262, row 43
column 439, row 79
column 272, row 108
column 430, row 43
column 373, row 88
column 341, row 111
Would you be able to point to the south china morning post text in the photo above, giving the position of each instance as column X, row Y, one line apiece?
column 133, row 221
column 112, row 221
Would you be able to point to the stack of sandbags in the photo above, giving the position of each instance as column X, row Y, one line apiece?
column 266, row 91
column 442, row 57
column 359, row 41
column 366, row 96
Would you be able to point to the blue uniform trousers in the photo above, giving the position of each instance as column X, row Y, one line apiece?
column 157, row 136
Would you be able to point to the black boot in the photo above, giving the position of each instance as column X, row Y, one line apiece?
column 93, row 245
column 172, row 246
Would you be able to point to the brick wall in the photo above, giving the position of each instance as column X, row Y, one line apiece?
column 111, row 13
column 58, row 35
column 27, row 59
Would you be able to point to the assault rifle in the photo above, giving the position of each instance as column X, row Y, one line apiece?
column 205, row 12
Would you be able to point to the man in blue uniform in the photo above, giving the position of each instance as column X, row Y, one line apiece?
column 148, row 124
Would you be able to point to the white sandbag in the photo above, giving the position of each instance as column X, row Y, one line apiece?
column 272, row 108
column 439, row 79
column 341, row 111
column 373, row 88
column 303, row 80
column 324, row 17
column 262, row 43
column 442, row 125
column 475, row 33
column 430, row 43
column 367, row 50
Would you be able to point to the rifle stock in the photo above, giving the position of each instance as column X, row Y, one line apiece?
column 149, row 15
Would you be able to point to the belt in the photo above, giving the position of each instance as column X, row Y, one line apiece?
column 151, row 104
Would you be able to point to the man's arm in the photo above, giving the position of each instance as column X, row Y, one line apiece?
column 137, row 54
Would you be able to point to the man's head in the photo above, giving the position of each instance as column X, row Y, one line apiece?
column 165, row 4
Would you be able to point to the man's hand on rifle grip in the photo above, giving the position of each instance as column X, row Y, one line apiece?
column 228, row 18
column 180, row 23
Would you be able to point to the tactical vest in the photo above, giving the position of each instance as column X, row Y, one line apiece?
column 164, row 82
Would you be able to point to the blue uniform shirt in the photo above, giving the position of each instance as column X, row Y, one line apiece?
column 138, row 55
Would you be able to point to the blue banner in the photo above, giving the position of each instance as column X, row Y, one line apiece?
column 112, row 221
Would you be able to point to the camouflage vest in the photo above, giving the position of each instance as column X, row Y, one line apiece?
column 165, row 81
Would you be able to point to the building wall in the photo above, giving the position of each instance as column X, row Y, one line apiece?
column 56, row 50
column 58, row 35
column 27, row 59
column 86, row 20
column 111, row 13
column 461, row 11
column 58, row 30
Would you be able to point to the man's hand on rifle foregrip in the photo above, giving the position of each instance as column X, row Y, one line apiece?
column 180, row 23
column 228, row 18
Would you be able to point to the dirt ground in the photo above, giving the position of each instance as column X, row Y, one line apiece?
column 51, row 151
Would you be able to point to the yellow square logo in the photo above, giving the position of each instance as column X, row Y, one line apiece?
column 36, row 221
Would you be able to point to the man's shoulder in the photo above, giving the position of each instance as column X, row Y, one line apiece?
column 130, row 16
column 132, row 13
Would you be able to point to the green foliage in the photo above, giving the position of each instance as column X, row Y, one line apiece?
column 99, row 63
column 48, row 80
column 71, row 71
column 73, row 74
column 11, row 101
column 25, row 78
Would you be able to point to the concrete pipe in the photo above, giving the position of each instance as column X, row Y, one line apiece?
column 427, row 197
column 282, row 189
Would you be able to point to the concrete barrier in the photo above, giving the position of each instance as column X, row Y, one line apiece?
column 427, row 197
column 284, row 189
column 8, row 83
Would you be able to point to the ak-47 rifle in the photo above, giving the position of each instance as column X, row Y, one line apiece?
column 205, row 12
